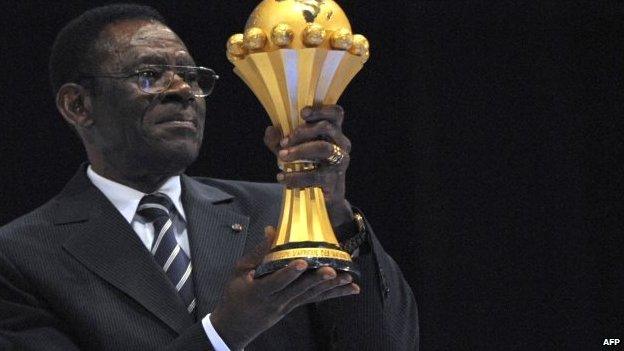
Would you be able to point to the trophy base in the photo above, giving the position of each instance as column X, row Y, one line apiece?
column 316, row 254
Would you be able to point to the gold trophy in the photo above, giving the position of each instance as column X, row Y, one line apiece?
column 297, row 53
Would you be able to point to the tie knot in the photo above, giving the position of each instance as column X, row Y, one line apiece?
column 155, row 205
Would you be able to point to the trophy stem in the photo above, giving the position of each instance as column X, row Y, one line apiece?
column 305, row 232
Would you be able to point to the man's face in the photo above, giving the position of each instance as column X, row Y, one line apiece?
column 133, row 130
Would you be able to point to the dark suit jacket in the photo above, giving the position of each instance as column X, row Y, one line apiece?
column 74, row 275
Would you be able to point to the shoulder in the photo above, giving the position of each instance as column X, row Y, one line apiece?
column 41, row 216
column 33, row 229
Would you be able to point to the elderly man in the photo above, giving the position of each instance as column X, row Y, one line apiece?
column 135, row 255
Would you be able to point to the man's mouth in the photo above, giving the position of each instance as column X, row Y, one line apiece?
column 179, row 122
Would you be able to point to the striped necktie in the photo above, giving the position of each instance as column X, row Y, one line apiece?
column 158, row 209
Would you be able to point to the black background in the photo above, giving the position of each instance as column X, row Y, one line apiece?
column 486, row 153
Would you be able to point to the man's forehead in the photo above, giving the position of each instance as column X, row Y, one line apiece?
column 128, row 40
column 138, row 32
column 154, row 34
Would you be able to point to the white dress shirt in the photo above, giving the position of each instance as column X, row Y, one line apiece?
column 126, row 200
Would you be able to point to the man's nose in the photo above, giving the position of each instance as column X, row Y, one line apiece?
column 180, row 88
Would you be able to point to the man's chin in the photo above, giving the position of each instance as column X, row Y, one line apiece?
column 174, row 156
column 182, row 156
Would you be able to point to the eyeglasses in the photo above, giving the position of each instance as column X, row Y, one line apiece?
column 154, row 79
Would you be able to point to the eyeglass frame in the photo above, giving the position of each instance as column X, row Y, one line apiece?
column 138, row 71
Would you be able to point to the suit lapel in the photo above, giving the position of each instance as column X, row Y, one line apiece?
column 108, row 246
column 215, row 245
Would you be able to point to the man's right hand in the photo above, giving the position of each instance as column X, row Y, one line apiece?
column 250, row 306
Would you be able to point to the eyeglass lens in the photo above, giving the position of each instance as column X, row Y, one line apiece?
column 156, row 80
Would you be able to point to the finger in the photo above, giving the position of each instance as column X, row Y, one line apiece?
column 340, row 291
column 320, row 292
column 314, row 178
column 307, row 282
column 255, row 256
column 339, row 286
column 322, row 130
column 331, row 113
column 316, row 151
column 272, row 137
column 280, row 279
column 313, row 150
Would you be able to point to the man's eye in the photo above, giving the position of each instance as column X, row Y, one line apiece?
column 191, row 76
column 149, row 74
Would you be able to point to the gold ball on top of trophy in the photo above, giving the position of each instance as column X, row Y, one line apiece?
column 342, row 39
column 313, row 34
column 235, row 45
column 235, row 48
column 255, row 38
column 282, row 34
column 360, row 47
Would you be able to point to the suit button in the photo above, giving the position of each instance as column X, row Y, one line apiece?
column 237, row 227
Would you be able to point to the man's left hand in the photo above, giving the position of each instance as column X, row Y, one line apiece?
column 314, row 140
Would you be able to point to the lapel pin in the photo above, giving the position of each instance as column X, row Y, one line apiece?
column 237, row 227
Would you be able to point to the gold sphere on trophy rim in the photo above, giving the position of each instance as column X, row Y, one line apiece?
column 282, row 34
column 360, row 47
column 235, row 45
column 314, row 34
column 297, row 24
column 254, row 38
column 342, row 39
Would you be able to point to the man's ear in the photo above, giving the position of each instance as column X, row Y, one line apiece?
column 74, row 103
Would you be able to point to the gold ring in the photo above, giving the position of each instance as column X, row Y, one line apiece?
column 336, row 156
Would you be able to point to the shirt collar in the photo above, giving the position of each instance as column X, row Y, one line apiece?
column 126, row 199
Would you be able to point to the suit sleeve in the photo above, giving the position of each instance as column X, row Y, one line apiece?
column 24, row 323
column 384, row 316
column 193, row 339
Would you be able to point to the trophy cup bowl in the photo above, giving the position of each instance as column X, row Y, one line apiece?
column 293, row 54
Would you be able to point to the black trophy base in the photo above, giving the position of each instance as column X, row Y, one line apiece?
column 313, row 262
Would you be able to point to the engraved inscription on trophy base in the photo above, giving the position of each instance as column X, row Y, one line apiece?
column 316, row 254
